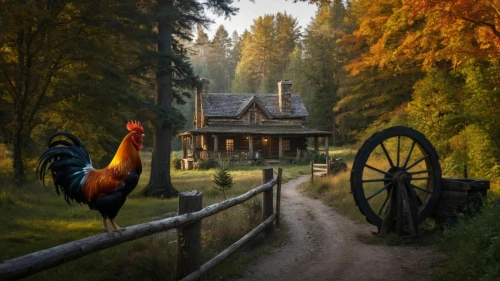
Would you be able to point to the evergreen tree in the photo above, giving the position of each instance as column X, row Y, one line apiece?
column 322, row 60
column 174, row 76
column 218, row 61
column 265, row 53
column 223, row 180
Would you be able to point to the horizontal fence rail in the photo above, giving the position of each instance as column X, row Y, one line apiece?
column 204, row 269
column 35, row 262
column 229, row 154
column 320, row 170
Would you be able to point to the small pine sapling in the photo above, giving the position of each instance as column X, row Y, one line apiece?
column 223, row 180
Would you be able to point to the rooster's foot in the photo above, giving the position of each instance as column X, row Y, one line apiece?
column 116, row 227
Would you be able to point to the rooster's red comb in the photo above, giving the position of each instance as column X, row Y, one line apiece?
column 135, row 126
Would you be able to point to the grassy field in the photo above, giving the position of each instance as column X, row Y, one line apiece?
column 34, row 218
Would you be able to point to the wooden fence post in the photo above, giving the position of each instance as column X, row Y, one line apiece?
column 278, row 197
column 328, row 167
column 312, row 172
column 267, row 196
column 188, row 237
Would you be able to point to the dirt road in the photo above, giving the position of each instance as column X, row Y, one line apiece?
column 324, row 246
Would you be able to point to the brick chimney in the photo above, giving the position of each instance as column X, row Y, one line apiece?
column 285, row 96
column 199, row 92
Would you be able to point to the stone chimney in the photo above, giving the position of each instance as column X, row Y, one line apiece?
column 204, row 90
column 285, row 96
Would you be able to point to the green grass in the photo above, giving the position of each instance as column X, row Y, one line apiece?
column 33, row 219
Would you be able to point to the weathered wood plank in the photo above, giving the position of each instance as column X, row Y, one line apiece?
column 321, row 169
column 267, row 196
column 278, row 197
column 35, row 262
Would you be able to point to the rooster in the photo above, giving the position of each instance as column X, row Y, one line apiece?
column 104, row 190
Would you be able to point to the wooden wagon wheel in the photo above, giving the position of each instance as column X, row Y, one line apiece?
column 383, row 158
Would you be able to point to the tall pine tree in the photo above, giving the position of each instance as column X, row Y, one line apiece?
column 174, row 75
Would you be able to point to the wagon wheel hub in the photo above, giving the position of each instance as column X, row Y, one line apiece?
column 401, row 176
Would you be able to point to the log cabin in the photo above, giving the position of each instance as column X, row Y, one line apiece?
column 248, row 127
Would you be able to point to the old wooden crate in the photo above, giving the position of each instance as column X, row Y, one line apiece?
column 456, row 194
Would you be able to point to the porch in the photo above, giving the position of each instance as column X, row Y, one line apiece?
column 249, row 143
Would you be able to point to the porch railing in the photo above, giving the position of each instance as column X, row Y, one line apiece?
column 308, row 153
column 231, row 154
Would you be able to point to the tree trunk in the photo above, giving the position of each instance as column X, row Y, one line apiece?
column 160, row 183
column 18, row 164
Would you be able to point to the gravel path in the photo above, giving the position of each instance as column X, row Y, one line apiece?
column 323, row 245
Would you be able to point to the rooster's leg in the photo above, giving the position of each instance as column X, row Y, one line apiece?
column 105, row 225
column 115, row 226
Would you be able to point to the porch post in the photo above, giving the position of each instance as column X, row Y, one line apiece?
column 316, row 144
column 184, row 147
column 193, row 145
column 216, row 145
column 250, row 146
column 326, row 147
column 280, row 147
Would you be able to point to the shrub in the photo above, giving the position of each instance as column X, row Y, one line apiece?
column 473, row 246
column 175, row 163
column 205, row 164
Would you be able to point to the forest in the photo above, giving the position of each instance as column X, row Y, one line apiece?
column 367, row 65
column 359, row 65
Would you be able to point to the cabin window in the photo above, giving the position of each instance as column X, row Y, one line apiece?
column 229, row 144
column 286, row 145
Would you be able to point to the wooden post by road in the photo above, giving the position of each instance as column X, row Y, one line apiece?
column 267, row 197
column 312, row 172
column 278, row 197
column 188, row 237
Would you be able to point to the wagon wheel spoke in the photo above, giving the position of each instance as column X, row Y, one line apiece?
column 387, row 154
column 420, row 172
column 421, row 189
column 378, row 191
column 409, row 154
column 399, row 151
column 377, row 170
column 419, row 179
column 373, row 180
column 417, row 162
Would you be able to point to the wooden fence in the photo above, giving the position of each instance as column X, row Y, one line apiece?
column 319, row 170
column 188, row 233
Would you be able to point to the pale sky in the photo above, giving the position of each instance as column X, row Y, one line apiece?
column 249, row 11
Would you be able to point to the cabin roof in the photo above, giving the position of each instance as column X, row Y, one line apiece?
column 259, row 130
column 231, row 105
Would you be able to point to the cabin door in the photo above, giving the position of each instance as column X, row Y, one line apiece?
column 266, row 147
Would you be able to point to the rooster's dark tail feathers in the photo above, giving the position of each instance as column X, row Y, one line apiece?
column 68, row 162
